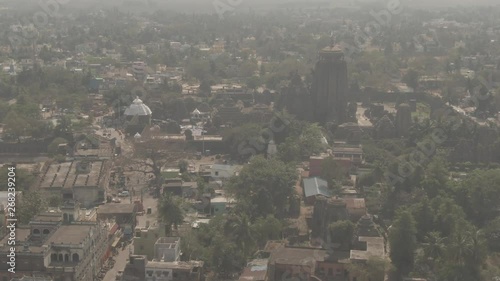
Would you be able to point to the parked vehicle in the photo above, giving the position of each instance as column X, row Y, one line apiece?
column 123, row 194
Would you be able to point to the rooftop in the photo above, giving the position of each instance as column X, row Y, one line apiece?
column 256, row 270
column 168, row 240
column 114, row 208
column 296, row 256
column 331, row 49
column 66, row 175
column 48, row 217
column 222, row 199
column 70, row 234
column 316, row 186
column 22, row 234
column 355, row 203
column 347, row 150
column 186, row 265
column 374, row 248
column 138, row 108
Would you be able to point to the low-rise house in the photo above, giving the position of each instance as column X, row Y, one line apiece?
column 174, row 271
column 220, row 203
column 356, row 208
column 123, row 214
column 140, row 269
column 305, row 263
column 315, row 187
column 218, row 171
column 354, row 153
column 256, row 270
column 372, row 247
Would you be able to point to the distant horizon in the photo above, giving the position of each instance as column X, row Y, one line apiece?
column 209, row 6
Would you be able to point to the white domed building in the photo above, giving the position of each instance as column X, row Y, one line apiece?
column 138, row 116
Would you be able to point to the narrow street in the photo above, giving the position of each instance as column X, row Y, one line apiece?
column 121, row 260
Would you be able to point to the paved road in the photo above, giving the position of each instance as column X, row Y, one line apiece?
column 121, row 260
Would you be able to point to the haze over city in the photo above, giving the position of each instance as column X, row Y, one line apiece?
column 265, row 140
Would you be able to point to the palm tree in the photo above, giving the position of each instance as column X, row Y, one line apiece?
column 239, row 228
column 461, row 246
column 477, row 253
column 434, row 245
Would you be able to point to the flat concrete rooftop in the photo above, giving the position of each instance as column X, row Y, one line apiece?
column 64, row 175
column 70, row 234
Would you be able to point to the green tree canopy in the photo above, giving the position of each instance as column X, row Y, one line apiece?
column 267, row 185
column 170, row 211
column 402, row 240
column 342, row 233
column 30, row 204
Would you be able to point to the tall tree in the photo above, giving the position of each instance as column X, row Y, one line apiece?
column 170, row 211
column 373, row 270
column 341, row 233
column 411, row 79
column 267, row 185
column 402, row 240
column 239, row 227
column 30, row 205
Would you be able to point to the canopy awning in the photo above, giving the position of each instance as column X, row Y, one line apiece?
column 115, row 243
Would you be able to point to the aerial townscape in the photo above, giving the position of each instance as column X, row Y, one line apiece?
column 221, row 140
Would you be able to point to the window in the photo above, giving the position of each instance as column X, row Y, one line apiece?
column 158, row 273
column 216, row 173
column 36, row 231
column 166, row 273
column 53, row 257
column 76, row 258
column 149, row 273
column 60, row 257
column 175, row 274
column 66, row 257
column 46, row 231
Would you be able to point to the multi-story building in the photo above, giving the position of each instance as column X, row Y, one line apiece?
column 58, row 245
column 145, row 239
column 167, row 249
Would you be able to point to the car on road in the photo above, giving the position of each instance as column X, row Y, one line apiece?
column 123, row 194
column 116, row 200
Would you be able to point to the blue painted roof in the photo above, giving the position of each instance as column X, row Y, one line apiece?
column 316, row 186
